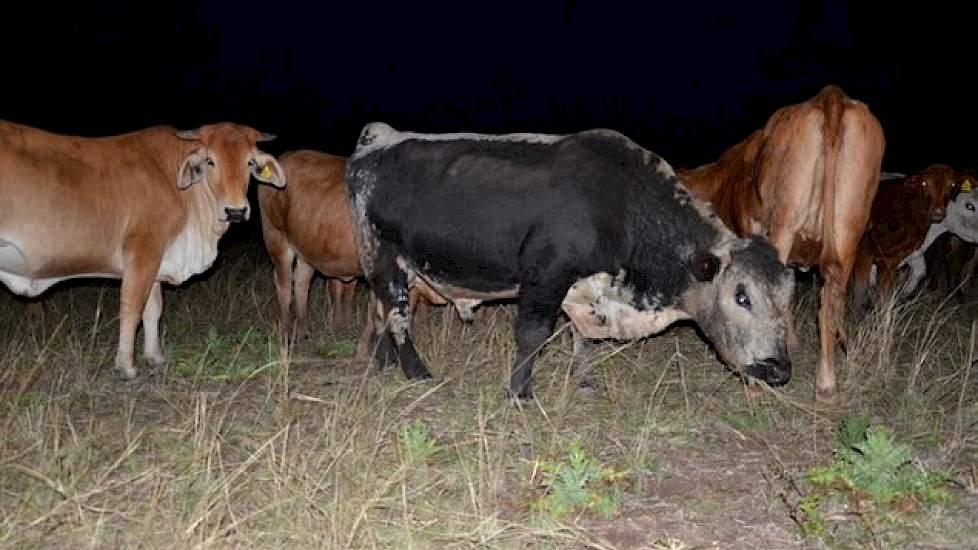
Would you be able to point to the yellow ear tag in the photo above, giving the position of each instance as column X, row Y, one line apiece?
column 966, row 186
column 266, row 172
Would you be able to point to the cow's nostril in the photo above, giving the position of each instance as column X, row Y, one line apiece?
column 235, row 214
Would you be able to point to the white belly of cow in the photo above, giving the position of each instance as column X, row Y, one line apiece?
column 599, row 309
column 16, row 272
column 192, row 252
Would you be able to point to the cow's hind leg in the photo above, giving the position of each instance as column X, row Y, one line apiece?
column 302, row 279
column 391, row 287
column 341, row 297
column 830, row 327
column 538, row 308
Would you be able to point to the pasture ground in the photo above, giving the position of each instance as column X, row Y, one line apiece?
column 235, row 444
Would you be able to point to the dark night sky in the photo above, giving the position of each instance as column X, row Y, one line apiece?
column 685, row 79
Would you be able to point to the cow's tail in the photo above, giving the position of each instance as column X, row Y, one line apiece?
column 832, row 102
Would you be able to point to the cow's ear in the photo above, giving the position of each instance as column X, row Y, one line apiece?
column 192, row 169
column 705, row 266
column 267, row 170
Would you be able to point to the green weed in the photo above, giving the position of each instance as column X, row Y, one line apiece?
column 579, row 483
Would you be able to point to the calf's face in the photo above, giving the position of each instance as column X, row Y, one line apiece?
column 962, row 216
column 740, row 299
column 937, row 184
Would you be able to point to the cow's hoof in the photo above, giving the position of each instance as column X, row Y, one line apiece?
column 156, row 361
column 827, row 399
column 127, row 373
column 524, row 395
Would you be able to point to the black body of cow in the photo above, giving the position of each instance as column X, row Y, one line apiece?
column 484, row 217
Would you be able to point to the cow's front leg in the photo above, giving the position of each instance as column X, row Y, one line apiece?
column 138, row 278
column 391, row 287
column 538, row 308
column 152, row 346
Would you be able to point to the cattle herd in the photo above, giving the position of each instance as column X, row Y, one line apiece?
column 590, row 225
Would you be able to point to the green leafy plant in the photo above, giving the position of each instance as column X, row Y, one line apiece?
column 579, row 483
column 340, row 347
column 417, row 444
column 233, row 356
column 875, row 472
column 813, row 522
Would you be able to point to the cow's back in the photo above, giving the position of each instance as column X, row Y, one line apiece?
column 312, row 212
column 586, row 198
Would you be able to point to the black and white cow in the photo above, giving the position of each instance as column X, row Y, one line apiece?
column 590, row 222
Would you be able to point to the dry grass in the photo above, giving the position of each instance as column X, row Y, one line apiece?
column 236, row 444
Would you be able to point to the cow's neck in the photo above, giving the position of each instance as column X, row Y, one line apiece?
column 194, row 249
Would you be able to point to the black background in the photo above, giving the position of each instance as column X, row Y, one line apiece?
column 684, row 79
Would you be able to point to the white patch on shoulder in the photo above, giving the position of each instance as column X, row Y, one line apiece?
column 378, row 135
column 600, row 306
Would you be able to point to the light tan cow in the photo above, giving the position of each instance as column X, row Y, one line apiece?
column 147, row 207
column 307, row 228
column 806, row 181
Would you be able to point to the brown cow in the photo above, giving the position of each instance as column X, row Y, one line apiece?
column 902, row 212
column 951, row 260
column 807, row 182
column 147, row 207
column 308, row 225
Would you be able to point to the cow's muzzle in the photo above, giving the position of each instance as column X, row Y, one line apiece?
column 236, row 214
column 774, row 371
column 937, row 215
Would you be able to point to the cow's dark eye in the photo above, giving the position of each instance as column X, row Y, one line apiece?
column 740, row 296
column 970, row 206
column 210, row 161
column 252, row 163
